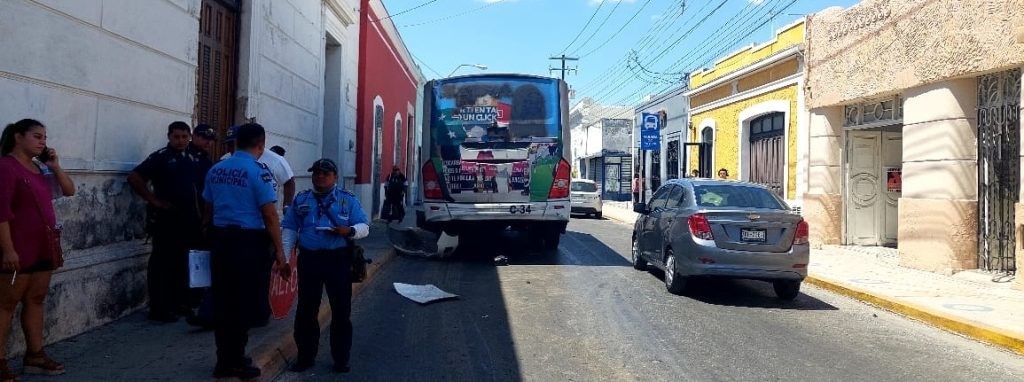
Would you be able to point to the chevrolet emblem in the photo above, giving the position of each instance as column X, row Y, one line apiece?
column 753, row 216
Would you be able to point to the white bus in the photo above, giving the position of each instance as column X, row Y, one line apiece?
column 496, row 155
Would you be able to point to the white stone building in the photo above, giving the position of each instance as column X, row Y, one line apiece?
column 108, row 77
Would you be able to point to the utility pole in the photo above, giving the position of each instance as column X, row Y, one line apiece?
column 564, row 69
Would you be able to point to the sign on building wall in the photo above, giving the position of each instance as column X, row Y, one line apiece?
column 650, row 135
column 894, row 179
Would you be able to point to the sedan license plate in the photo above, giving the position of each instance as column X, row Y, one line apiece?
column 524, row 209
column 755, row 235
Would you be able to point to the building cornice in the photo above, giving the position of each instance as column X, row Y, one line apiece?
column 765, row 63
column 785, row 82
column 346, row 16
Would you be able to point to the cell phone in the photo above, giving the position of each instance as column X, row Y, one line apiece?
column 45, row 155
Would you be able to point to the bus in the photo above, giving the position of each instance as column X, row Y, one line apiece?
column 496, row 156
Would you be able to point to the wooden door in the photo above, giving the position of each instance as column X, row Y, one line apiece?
column 218, row 67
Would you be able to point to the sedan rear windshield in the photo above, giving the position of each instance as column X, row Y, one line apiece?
column 733, row 196
column 583, row 187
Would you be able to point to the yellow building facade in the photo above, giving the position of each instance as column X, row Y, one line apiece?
column 747, row 116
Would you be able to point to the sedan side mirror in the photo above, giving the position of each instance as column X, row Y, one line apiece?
column 640, row 208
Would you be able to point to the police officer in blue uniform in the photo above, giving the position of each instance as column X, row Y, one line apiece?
column 174, row 214
column 246, row 241
column 323, row 222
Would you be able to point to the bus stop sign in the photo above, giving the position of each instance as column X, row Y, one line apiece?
column 650, row 132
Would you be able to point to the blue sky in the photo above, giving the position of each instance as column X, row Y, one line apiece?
column 518, row 36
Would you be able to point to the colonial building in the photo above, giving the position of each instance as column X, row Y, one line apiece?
column 108, row 77
column 389, row 85
column 746, row 113
column 667, row 162
column 600, row 147
column 915, row 130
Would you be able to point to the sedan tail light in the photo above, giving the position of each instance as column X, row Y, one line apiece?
column 699, row 227
column 803, row 233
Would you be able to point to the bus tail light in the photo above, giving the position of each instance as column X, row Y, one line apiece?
column 560, row 187
column 431, row 182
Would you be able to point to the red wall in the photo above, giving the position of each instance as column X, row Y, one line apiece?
column 381, row 73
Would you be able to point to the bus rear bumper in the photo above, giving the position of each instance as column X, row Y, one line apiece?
column 444, row 214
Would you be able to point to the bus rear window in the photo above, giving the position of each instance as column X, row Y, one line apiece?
column 490, row 110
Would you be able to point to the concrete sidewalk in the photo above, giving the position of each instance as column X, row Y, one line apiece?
column 134, row 349
column 969, row 303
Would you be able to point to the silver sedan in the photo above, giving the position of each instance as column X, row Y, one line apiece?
column 704, row 227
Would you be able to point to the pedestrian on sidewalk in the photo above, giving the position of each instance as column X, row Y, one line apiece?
column 323, row 223
column 636, row 187
column 394, row 194
column 723, row 173
column 246, row 237
column 30, row 175
column 279, row 168
column 173, row 208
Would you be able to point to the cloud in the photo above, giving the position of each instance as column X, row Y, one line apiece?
column 657, row 17
column 497, row 1
column 756, row 2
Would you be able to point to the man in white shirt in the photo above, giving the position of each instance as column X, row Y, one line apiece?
column 278, row 166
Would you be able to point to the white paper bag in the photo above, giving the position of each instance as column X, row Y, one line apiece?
column 199, row 269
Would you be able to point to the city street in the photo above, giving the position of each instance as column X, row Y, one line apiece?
column 583, row 314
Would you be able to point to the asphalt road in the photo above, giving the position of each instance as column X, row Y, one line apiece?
column 583, row 314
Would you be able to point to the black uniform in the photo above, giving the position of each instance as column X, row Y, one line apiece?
column 394, row 204
column 177, row 178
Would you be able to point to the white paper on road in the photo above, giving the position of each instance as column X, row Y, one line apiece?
column 199, row 269
column 423, row 294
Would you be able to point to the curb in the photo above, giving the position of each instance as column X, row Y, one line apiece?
column 273, row 355
column 994, row 336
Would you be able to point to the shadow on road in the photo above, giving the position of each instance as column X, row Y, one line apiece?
column 520, row 249
column 745, row 293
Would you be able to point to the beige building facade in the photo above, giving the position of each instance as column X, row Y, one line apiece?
column 915, row 132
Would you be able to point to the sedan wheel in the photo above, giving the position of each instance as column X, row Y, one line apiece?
column 675, row 283
column 638, row 262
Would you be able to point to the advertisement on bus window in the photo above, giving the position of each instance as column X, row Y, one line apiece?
column 494, row 135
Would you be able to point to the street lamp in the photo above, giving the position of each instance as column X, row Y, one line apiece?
column 478, row 66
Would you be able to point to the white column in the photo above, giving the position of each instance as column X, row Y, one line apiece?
column 938, row 221
column 823, row 201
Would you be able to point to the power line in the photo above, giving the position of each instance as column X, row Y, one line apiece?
column 707, row 43
column 599, row 5
column 452, row 16
column 610, row 38
column 425, row 65
column 643, row 42
column 598, row 29
column 405, row 11
column 613, row 86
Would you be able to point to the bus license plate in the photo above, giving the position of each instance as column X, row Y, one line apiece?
column 524, row 209
column 757, row 235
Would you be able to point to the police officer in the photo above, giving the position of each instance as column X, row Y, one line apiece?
column 176, row 174
column 246, row 241
column 323, row 222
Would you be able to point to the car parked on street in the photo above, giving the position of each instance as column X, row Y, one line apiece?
column 584, row 198
column 714, row 228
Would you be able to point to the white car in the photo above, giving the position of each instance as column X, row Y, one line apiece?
column 584, row 197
